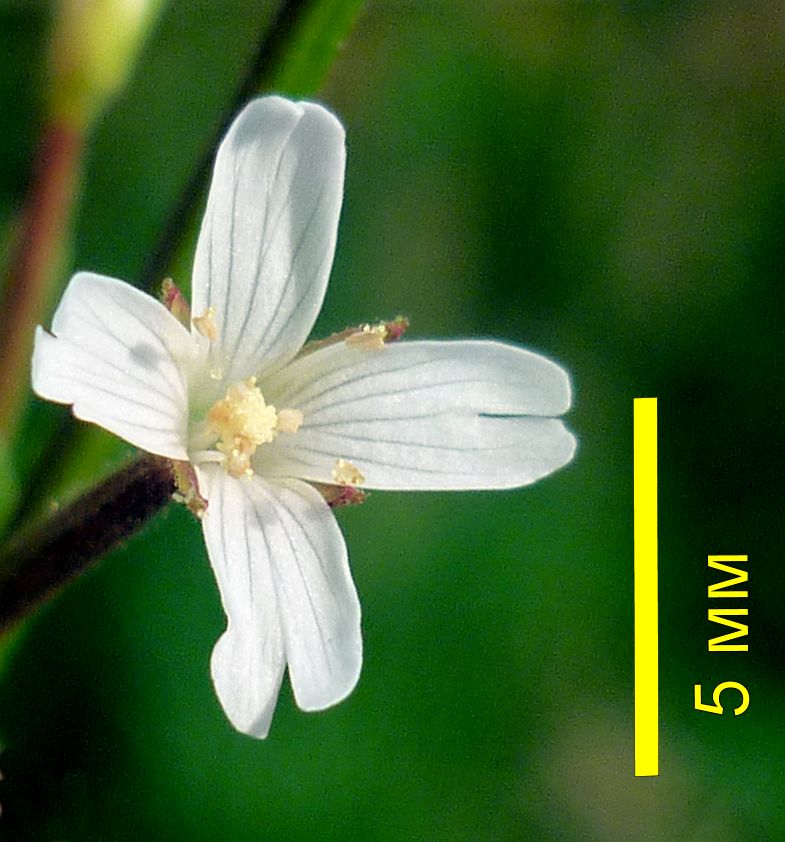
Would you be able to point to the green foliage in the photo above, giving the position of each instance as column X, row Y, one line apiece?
column 319, row 34
column 600, row 183
column 9, row 485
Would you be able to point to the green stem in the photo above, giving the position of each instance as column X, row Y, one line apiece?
column 40, row 560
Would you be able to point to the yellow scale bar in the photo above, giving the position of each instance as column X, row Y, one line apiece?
column 646, row 645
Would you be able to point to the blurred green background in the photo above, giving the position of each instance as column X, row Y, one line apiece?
column 603, row 183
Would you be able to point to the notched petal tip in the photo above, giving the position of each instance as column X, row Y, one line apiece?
column 119, row 358
column 429, row 415
column 313, row 698
column 282, row 570
column 268, row 236
column 231, row 669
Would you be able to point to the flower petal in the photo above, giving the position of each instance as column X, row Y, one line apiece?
column 282, row 568
column 268, row 236
column 121, row 359
column 248, row 660
column 424, row 415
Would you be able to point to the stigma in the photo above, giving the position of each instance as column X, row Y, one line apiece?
column 243, row 421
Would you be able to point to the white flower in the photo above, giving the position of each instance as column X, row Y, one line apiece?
column 266, row 425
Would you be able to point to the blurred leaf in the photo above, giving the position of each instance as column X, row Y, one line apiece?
column 96, row 454
column 306, row 51
column 9, row 484
column 9, row 643
column 317, row 38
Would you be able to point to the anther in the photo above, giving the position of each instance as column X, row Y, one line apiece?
column 205, row 324
column 345, row 473
column 289, row 420
column 369, row 337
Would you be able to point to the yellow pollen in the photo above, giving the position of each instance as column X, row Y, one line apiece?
column 205, row 324
column 345, row 473
column 243, row 420
column 289, row 420
column 369, row 337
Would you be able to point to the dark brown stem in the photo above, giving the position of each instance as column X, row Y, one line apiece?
column 258, row 77
column 39, row 561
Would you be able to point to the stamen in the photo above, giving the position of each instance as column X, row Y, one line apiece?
column 338, row 496
column 363, row 335
column 175, row 302
column 205, row 324
column 188, row 487
column 369, row 337
column 345, row 473
column 396, row 328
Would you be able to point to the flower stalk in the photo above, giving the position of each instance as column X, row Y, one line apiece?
column 33, row 266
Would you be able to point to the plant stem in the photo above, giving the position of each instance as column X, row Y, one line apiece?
column 39, row 561
column 32, row 269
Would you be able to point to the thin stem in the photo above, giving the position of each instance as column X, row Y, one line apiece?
column 259, row 75
column 32, row 268
column 39, row 561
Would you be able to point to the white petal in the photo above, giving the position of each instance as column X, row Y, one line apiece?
column 120, row 358
column 424, row 415
column 248, row 660
column 283, row 571
column 268, row 236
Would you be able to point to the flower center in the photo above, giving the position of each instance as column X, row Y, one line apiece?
column 243, row 420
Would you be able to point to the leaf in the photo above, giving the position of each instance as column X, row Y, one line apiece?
column 315, row 41
column 9, row 484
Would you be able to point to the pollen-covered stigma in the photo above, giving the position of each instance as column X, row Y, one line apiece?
column 242, row 420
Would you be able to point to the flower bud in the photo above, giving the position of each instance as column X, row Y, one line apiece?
column 94, row 45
